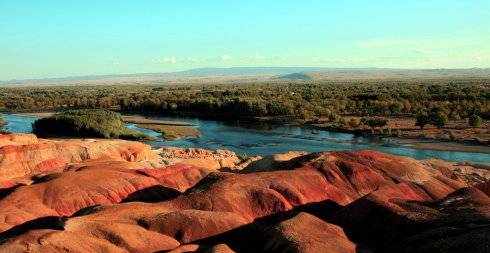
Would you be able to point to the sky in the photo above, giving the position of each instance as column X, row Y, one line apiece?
column 51, row 38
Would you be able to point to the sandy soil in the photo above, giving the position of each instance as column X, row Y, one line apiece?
column 137, row 119
column 172, row 132
column 37, row 114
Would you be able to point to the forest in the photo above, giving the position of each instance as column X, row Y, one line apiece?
column 286, row 100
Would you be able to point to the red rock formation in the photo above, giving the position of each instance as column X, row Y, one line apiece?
column 103, row 183
column 220, row 248
column 180, row 176
column 17, row 139
column 20, row 157
column 211, row 160
column 73, row 202
column 457, row 223
column 191, row 225
column 307, row 233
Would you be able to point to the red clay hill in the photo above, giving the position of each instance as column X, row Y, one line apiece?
column 120, row 196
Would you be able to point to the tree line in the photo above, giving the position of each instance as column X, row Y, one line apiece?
column 330, row 100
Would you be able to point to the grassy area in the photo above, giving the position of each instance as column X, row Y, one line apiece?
column 172, row 132
column 85, row 123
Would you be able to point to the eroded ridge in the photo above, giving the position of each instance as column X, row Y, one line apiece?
column 119, row 196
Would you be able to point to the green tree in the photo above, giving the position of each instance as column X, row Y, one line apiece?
column 421, row 119
column 474, row 120
column 374, row 122
column 438, row 118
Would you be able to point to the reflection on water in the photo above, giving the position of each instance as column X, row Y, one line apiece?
column 264, row 139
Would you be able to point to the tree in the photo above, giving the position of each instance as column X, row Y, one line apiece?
column 474, row 120
column 353, row 122
column 422, row 119
column 438, row 118
column 374, row 122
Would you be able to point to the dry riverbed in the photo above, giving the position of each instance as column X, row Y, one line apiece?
column 172, row 132
column 137, row 119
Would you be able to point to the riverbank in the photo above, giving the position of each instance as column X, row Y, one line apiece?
column 237, row 136
column 172, row 132
column 139, row 119
column 444, row 146
column 454, row 132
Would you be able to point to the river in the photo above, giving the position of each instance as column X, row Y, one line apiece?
column 266, row 139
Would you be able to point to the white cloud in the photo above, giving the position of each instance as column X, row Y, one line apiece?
column 225, row 57
column 170, row 60
column 259, row 57
column 191, row 60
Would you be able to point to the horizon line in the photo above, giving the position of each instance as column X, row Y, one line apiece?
column 230, row 67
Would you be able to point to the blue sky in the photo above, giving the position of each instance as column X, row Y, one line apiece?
column 64, row 38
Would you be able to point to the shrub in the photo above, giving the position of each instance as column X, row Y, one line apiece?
column 438, row 118
column 354, row 122
column 474, row 120
column 374, row 122
column 422, row 119
column 342, row 121
column 85, row 123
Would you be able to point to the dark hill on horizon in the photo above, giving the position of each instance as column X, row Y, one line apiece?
column 296, row 76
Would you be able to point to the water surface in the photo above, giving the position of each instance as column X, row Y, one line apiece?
column 264, row 139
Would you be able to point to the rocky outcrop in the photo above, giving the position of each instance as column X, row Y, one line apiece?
column 457, row 223
column 307, row 233
column 26, row 155
column 63, row 194
column 122, row 198
column 469, row 173
column 258, row 164
column 212, row 160
column 17, row 139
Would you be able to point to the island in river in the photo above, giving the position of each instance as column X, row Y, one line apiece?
column 170, row 130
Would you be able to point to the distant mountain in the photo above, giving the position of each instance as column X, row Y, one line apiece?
column 257, row 74
column 296, row 76
column 91, row 79
column 385, row 73
column 247, row 71
column 233, row 72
